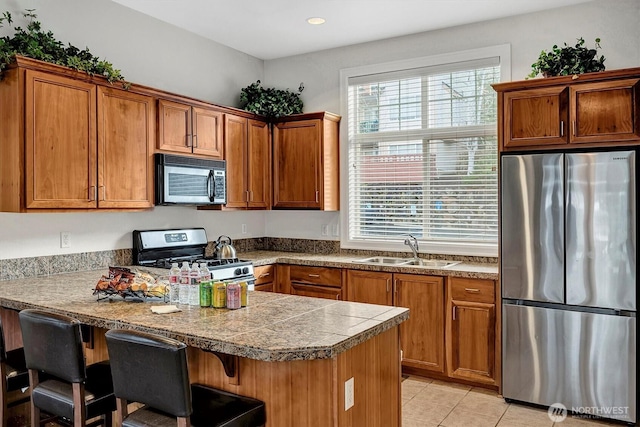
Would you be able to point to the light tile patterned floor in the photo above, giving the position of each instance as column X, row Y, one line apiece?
column 431, row 403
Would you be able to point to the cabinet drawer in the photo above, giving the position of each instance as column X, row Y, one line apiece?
column 264, row 274
column 316, row 275
column 326, row 292
column 476, row 290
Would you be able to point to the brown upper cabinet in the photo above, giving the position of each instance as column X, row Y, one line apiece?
column 68, row 143
column 589, row 109
column 247, row 148
column 306, row 162
column 189, row 129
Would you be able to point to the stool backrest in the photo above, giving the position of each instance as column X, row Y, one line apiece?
column 150, row 369
column 53, row 344
column 3, row 349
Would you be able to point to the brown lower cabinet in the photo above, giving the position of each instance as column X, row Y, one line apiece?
column 471, row 347
column 265, row 278
column 306, row 281
column 452, row 327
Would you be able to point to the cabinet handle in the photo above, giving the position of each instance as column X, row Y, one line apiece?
column 395, row 287
column 454, row 312
column 104, row 193
column 194, row 141
column 93, row 193
column 246, row 195
column 388, row 285
column 314, row 275
column 250, row 196
column 264, row 275
column 561, row 127
column 317, row 196
column 186, row 140
column 573, row 123
column 472, row 290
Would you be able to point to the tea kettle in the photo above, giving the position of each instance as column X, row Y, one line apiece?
column 224, row 248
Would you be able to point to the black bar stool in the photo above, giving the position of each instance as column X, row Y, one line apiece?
column 152, row 370
column 14, row 376
column 69, row 389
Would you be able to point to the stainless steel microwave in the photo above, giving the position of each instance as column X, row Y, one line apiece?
column 184, row 180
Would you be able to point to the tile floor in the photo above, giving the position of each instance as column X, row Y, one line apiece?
column 431, row 403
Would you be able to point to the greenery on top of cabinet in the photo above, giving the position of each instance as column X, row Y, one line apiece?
column 33, row 42
column 271, row 102
column 567, row 60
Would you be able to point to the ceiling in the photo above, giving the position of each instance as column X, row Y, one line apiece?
column 270, row 29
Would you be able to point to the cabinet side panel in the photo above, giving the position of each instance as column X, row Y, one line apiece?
column 331, row 166
column 11, row 142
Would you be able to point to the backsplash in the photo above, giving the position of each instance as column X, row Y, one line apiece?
column 20, row 268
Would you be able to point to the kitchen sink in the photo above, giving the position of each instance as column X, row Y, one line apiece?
column 383, row 260
column 432, row 263
column 429, row 263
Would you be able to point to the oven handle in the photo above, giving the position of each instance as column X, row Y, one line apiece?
column 210, row 186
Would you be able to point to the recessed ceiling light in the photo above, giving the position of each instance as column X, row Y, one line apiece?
column 316, row 20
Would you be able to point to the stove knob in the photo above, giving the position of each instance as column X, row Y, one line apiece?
column 237, row 271
column 245, row 270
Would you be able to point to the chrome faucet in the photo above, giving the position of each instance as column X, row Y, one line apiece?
column 412, row 242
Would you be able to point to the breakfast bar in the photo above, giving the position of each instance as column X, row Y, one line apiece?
column 296, row 354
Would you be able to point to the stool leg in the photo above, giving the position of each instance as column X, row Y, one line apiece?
column 121, row 410
column 35, row 412
column 108, row 420
column 79, row 405
column 184, row 422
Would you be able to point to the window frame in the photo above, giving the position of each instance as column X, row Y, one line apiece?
column 503, row 52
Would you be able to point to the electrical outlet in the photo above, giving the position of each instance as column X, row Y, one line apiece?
column 349, row 398
column 244, row 228
column 335, row 230
column 324, row 229
column 65, row 239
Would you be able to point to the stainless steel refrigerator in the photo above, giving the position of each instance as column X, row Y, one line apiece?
column 568, row 276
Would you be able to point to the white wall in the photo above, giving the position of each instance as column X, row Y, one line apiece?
column 159, row 55
column 616, row 22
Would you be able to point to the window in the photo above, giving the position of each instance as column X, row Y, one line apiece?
column 422, row 155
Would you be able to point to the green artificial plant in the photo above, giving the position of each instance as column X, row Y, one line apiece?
column 33, row 42
column 271, row 102
column 568, row 60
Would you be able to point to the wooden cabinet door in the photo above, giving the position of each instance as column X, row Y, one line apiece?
column 296, row 169
column 306, row 290
column 265, row 278
column 370, row 287
column 536, row 117
column 174, row 126
column 126, row 136
column 235, row 154
column 606, row 111
column 207, row 132
column 60, row 135
column 259, row 165
column 422, row 336
column 472, row 341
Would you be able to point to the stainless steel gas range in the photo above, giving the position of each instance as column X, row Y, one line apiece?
column 160, row 248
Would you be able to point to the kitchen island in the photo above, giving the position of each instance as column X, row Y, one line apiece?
column 293, row 353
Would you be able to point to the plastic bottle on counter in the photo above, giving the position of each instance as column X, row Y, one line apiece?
column 184, row 287
column 205, row 274
column 194, row 285
column 174, row 283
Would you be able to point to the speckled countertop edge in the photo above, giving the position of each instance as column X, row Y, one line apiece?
column 463, row 269
column 275, row 327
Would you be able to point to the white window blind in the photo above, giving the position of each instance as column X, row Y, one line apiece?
column 423, row 154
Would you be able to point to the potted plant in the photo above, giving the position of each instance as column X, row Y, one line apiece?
column 270, row 102
column 568, row 60
column 35, row 43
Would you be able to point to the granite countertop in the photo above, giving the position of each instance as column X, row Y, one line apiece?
column 274, row 327
column 466, row 269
